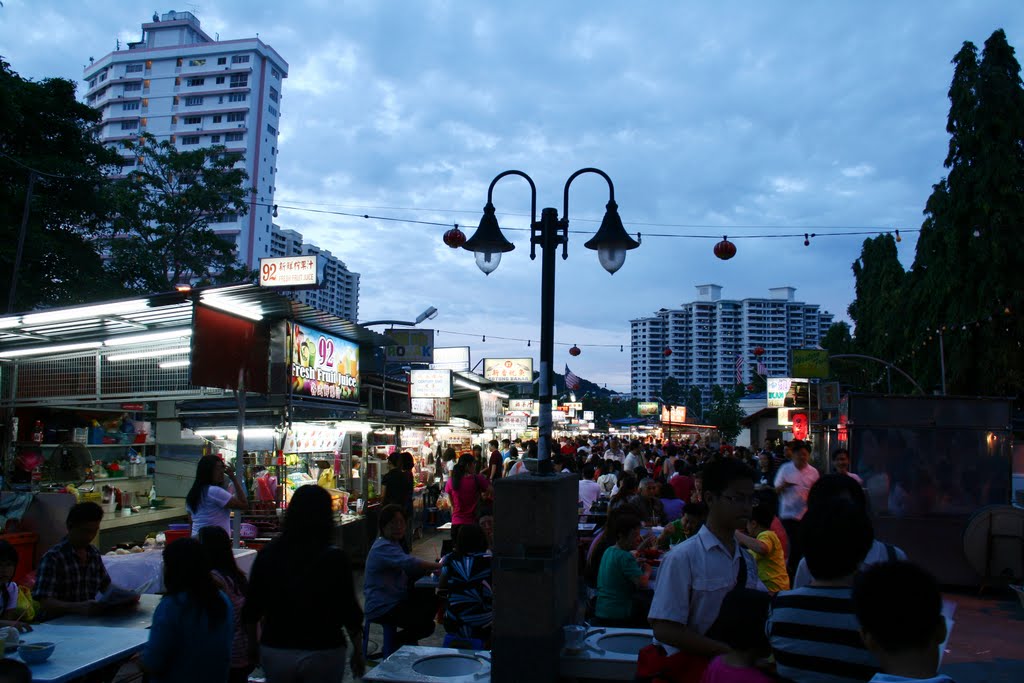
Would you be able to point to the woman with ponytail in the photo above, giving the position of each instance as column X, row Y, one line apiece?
column 465, row 488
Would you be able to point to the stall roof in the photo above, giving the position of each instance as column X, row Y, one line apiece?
column 151, row 313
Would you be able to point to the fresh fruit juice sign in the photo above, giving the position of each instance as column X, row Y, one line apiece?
column 323, row 366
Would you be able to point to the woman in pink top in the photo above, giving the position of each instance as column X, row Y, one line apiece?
column 465, row 488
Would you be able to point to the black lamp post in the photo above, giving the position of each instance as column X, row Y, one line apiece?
column 611, row 243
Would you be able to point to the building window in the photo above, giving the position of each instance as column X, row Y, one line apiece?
column 174, row 120
column 177, row 81
column 197, row 62
column 237, row 97
column 215, row 139
column 149, row 63
column 239, row 80
column 275, row 73
column 217, row 118
column 127, row 161
column 193, row 120
column 145, row 121
column 273, row 95
column 132, row 87
column 233, row 137
column 129, row 106
column 272, row 110
column 92, row 83
column 271, row 129
column 195, row 82
column 221, row 61
column 174, row 101
column 129, row 125
column 133, row 69
column 220, row 80
column 179, row 61
column 145, row 84
column 145, row 101
column 189, row 139
column 236, row 116
column 193, row 101
column 240, row 59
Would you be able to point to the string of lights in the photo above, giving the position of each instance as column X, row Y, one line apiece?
column 530, row 342
column 1000, row 315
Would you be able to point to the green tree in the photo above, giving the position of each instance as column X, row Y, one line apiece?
column 671, row 391
column 725, row 413
column 161, row 232
column 879, row 286
column 694, row 401
column 43, row 127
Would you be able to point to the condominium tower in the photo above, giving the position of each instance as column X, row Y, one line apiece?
column 704, row 343
column 181, row 85
column 339, row 294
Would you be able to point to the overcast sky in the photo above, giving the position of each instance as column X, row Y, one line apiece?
column 712, row 118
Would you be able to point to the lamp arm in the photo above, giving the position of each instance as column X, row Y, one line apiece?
column 533, row 191
column 565, row 200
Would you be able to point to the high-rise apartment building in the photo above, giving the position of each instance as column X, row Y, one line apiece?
column 699, row 343
column 340, row 292
column 181, row 85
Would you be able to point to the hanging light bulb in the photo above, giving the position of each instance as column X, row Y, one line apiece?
column 527, row 342
column 275, row 211
column 898, row 238
column 807, row 240
column 483, row 338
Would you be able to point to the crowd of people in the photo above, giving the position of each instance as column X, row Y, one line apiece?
column 769, row 569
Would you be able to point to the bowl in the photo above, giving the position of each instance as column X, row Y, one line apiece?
column 35, row 653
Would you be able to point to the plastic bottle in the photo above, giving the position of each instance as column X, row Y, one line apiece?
column 152, row 495
column 37, row 432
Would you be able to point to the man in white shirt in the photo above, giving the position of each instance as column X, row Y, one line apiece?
column 589, row 490
column 633, row 459
column 696, row 575
column 615, row 452
column 793, row 482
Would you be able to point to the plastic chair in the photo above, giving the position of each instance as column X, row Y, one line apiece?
column 387, row 646
column 453, row 640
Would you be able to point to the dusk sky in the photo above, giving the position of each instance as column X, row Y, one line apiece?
column 740, row 118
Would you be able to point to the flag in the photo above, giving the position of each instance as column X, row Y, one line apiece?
column 739, row 368
column 572, row 382
column 761, row 369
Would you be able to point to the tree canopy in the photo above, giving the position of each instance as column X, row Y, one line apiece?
column 44, row 128
column 161, row 233
column 966, row 285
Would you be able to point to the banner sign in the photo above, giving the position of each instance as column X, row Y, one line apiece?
column 787, row 392
column 523, row 406
column 290, row 271
column 490, row 409
column 558, row 417
column 588, row 415
column 430, row 383
column 322, row 365
column 438, row 408
column 575, row 405
column 810, row 363
column 646, row 408
column 411, row 346
column 673, row 414
column 515, row 423
column 455, row 358
column 535, row 412
column 508, row 370
column 829, row 395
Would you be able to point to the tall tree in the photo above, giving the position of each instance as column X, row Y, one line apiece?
column 671, row 391
column 725, row 413
column 879, row 286
column 165, row 206
column 43, row 127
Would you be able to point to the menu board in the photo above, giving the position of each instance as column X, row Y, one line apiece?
column 322, row 365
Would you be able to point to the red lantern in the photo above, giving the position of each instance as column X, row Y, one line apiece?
column 800, row 425
column 454, row 238
column 575, row 350
column 667, row 352
column 750, row 387
column 758, row 351
column 725, row 249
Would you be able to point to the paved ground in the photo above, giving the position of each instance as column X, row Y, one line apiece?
column 986, row 646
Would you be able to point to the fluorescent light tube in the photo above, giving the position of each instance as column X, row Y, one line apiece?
column 459, row 382
column 119, row 308
column 149, row 336
column 46, row 350
column 148, row 354
column 7, row 323
column 175, row 364
column 241, row 310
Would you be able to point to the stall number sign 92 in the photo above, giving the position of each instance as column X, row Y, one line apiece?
column 269, row 271
column 325, row 352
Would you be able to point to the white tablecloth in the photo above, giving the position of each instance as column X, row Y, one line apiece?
column 143, row 572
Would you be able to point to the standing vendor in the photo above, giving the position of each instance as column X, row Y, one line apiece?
column 209, row 501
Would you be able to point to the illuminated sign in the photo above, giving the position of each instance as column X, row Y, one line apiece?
column 810, row 363
column 451, row 358
column 787, row 392
column 430, row 383
column 522, row 406
column 646, row 408
column 508, row 370
column 290, row 271
column 322, row 365
column 673, row 414
column 411, row 346
column 588, row 415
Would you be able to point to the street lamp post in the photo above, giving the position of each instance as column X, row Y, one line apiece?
column 611, row 243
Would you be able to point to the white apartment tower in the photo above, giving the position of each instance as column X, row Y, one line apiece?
column 340, row 292
column 181, row 85
column 706, row 336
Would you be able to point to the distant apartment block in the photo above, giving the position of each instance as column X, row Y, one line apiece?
column 705, row 337
column 181, row 85
column 340, row 293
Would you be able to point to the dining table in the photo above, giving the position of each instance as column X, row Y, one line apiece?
column 80, row 650
column 144, row 572
column 138, row 616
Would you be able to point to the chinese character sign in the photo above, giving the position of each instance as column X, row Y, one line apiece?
column 290, row 271
column 322, row 365
column 508, row 370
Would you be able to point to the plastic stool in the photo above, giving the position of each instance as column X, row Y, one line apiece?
column 453, row 640
column 387, row 647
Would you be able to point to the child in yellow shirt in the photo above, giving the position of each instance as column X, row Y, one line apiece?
column 766, row 549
